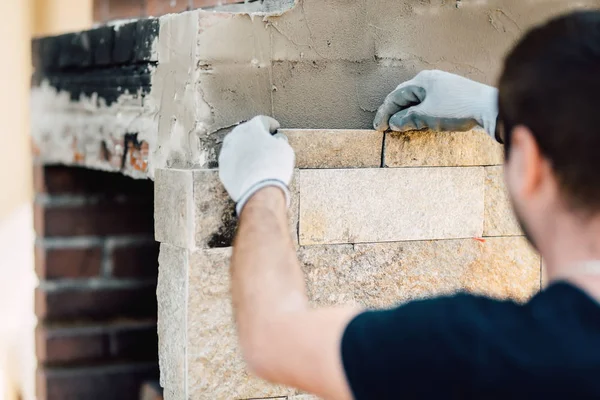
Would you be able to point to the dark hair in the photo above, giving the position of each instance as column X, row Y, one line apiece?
column 551, row 84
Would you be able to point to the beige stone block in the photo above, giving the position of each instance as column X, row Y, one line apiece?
column 390, row 204
column 383, row 274
column 216, row 369
column 500, row 219
column 172, row 299
column 215, row 220
column 335, row 148
column 374, row 275
column 509, row 268
column 172, row 207
column 441, row 149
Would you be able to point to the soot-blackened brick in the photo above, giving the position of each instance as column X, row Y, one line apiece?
column 146, row 33
column 102, row 41
column 75, row 51
column 124, row 43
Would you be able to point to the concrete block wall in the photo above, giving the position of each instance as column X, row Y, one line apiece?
column 96, row 260
column 366, row 233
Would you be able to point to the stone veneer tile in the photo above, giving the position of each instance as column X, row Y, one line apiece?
column 499, row 217
column 213, row 352
column 383, row 274
column 333, row 148
column 172, row 302
column 390, row 204
column 373, row 275
column 172, row 207
column 441, row 149
column 215, row 216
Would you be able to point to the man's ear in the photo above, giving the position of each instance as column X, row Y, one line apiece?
column 528, row 161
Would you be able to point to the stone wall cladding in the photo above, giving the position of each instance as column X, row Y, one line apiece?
column 382, row 236
column 96, row 261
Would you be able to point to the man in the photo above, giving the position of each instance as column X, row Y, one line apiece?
column 461, row 346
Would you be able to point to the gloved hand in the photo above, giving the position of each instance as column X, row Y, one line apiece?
column 252, row 158
column 439, row 100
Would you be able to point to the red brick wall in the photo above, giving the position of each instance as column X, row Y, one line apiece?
column 106, row 10
column 96, row 303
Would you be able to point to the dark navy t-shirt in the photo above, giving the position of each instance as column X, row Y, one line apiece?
column 471, row 347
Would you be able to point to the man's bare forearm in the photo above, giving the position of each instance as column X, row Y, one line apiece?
column 267, row 282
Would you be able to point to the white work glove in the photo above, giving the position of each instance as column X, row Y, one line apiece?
column 252, row 158
column 440, row 101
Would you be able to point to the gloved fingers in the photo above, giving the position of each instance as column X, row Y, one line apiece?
column 270, row 124
column 411, row 119
column 407, row 120
column 405, row 95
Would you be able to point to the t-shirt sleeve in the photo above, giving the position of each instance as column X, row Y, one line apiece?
column 425, row 349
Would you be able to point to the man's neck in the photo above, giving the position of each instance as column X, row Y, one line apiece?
column 571, row 251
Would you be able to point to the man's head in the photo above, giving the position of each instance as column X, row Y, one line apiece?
column 549, row 107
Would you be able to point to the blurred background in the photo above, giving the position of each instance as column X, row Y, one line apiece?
column 23, row 19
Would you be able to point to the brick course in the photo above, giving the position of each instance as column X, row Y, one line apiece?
column 87, row 303
column 92, row 344
column 67, row 262
column 97, row 263
column 118, row 381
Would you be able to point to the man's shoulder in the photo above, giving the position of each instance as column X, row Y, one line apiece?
column 467, row 343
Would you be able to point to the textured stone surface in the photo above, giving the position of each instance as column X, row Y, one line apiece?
column 441, row 149
column 172, row 207
column 508, row 267
column 382, row 274
column 215, row 217
column 213, row 352
column 391, row 204
column 172, row 302
column 374, row 275
column 332, row 148
column 500, row 219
